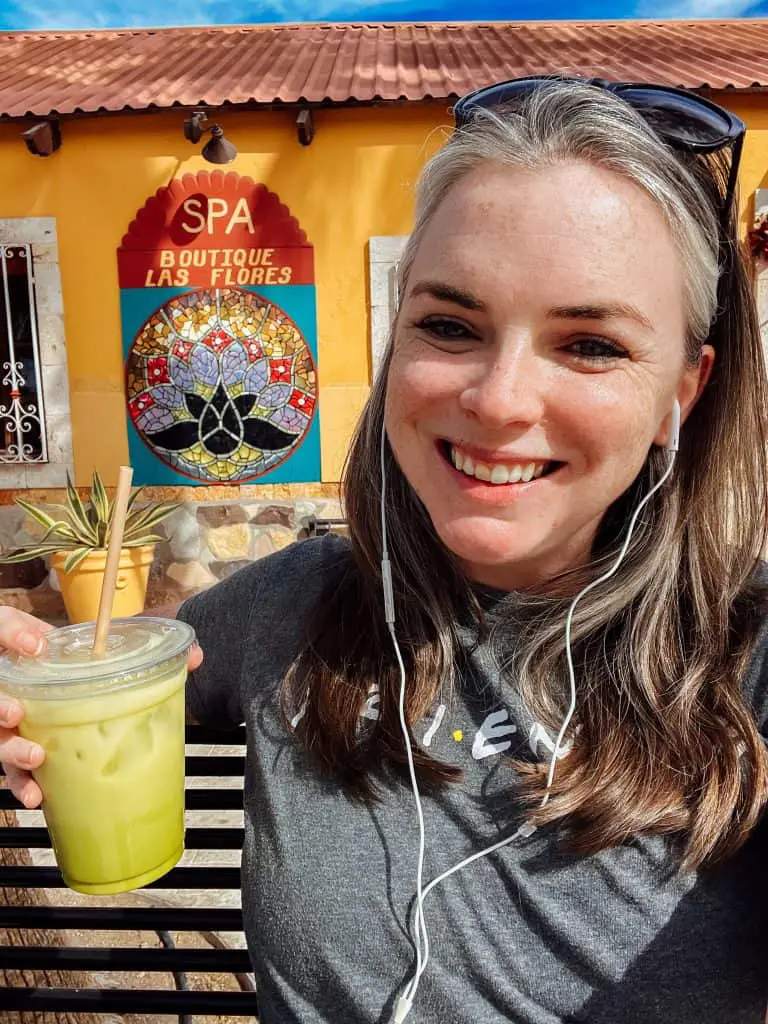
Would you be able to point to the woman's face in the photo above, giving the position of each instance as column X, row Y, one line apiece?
column 538, row 352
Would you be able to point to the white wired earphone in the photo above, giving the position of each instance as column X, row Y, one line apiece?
column 419, row 936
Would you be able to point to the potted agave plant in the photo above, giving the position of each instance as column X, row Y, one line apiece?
column 75, row 539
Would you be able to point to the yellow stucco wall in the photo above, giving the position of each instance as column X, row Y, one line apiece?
column 354, row 181
column 752, row 108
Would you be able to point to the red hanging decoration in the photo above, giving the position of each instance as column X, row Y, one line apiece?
column 758, row 236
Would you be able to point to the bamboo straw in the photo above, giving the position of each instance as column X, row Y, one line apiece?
column 109, row 583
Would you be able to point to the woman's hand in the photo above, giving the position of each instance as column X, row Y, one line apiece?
column 24, row 634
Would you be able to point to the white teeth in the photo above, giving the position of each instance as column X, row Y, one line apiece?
column 499, row 473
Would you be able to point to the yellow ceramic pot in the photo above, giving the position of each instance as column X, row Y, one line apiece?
column 81, row 588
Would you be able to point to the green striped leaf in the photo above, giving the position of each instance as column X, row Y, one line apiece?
column 34, row 551
column 59, row 529
column 76, row 558
column 146, row 538
column 134, row 496
column 149, row 516
column 80, row 521
column 40, row 517
column 99, row 499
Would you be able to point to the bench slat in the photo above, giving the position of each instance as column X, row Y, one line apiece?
column 150, row 1001
column 224, row 738
column 85, row 958
column 195, row 800
column 175, row 919
column 23, row 837
column 25, row 877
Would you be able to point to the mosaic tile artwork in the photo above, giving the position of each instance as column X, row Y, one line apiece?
column 221, row 384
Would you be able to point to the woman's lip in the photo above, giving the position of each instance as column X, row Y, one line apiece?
column 485, row 491
column 492, row 458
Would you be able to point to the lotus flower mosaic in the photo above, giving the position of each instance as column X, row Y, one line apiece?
column 221, row 384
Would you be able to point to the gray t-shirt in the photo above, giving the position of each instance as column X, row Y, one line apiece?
column 530, row 934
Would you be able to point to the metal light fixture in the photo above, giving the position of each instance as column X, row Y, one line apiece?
column 43, row 138
column 218, row 149
column 305, row 127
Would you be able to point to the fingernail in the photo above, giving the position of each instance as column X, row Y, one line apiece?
column 5, row 710
column 31, row 644
column 34, row 753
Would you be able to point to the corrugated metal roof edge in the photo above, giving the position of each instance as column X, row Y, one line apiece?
column 257, row 27
column 81, row 113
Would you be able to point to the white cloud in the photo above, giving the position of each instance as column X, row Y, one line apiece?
column 685, row 9
column 94, row 14
column 90, row 14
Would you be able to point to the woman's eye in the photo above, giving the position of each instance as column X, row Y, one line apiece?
column 446, row 330
column 596, row 348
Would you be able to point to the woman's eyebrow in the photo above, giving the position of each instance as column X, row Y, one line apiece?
column 447, row 293
column 608, row 311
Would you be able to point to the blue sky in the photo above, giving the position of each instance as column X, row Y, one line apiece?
column 53, row 14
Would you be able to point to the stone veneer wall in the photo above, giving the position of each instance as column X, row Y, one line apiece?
column 205, row 542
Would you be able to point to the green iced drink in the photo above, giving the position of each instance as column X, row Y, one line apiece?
column 112, row 729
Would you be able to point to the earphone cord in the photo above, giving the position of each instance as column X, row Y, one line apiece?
column 419, row 935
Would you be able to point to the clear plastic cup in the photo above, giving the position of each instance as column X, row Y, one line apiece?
column 112, row 728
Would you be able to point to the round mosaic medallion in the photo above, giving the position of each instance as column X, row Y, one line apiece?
column 221, row 384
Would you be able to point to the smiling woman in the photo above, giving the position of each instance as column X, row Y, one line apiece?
column 560, row 344
column 566, row 283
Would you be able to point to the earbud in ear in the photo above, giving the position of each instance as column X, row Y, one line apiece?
column 673, row 444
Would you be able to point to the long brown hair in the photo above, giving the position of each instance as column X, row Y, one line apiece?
column 663, row 741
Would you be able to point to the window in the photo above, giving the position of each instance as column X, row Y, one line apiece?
column 22, row 416
column 35, row 429
column 384, row 252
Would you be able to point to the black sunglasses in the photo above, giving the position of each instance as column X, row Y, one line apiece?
column 684, row 120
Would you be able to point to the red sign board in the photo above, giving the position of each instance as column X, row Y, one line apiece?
column 214, row 230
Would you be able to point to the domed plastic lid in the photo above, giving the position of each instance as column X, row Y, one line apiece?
column 134, row 647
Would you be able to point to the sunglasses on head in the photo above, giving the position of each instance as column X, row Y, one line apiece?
column 684, row 120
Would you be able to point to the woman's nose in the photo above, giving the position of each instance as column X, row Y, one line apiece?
column 506, row 389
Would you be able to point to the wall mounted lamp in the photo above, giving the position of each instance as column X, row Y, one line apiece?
column 43, row 138
column 305, row 126
column 218, row 149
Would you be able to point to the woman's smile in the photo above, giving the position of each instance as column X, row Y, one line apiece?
column 494, row 479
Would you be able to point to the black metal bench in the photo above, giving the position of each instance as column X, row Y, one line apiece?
column 164, row 919
column 316, row 526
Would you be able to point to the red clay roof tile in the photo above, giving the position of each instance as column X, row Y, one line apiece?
column 85, row 72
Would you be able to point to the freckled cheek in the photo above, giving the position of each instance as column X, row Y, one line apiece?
column 414, row 392
column 611, row 437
